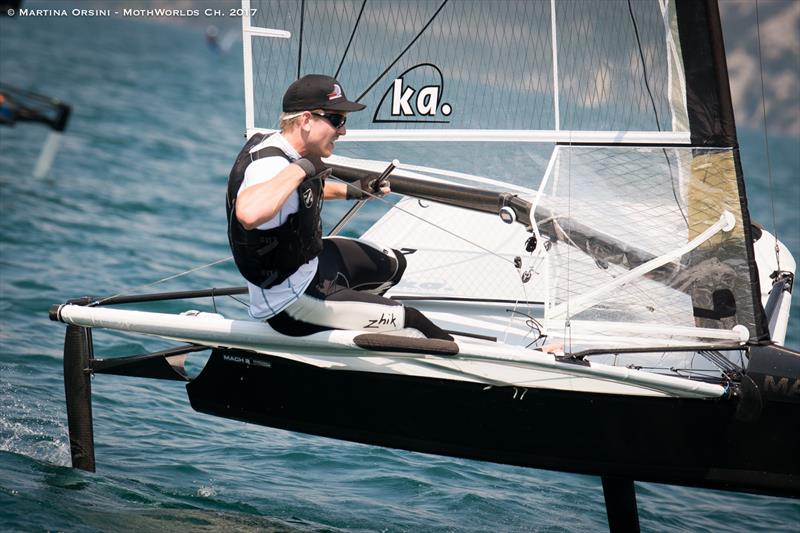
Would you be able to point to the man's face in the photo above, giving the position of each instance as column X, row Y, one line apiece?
column 323, row 135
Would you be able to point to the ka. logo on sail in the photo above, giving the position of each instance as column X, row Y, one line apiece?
column 427, row 100
column 415, row 96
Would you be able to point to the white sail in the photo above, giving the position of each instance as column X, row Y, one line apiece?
column 484, row 70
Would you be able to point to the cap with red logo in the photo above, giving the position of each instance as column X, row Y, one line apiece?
column 316, row 91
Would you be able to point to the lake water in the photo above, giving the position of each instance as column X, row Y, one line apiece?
column 136, row 194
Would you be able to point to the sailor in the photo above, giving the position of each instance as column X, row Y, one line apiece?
column 299, row 282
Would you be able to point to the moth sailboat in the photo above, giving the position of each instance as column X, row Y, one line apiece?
column 19, row 105
column 570, row 177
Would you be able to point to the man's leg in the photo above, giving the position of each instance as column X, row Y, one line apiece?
column 326, row 306
column 345, row 294
column 360, row 265
column 341, row 308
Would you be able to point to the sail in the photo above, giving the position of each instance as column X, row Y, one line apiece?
column 19, row 105
column 612, row 118
column 544, row 67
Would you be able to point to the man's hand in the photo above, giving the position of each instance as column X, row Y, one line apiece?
column 367, row 184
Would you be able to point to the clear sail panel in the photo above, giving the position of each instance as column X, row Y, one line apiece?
column 614, row 61
column 644, row 236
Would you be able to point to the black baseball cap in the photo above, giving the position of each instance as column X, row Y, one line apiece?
column 316, row 91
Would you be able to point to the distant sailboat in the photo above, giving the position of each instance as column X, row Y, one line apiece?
column 19, row 105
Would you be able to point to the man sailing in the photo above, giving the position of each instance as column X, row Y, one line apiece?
column 299, row 282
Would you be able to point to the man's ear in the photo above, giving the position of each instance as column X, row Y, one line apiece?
column 305, row 122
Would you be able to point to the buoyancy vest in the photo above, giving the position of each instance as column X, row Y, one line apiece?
column 268, row 257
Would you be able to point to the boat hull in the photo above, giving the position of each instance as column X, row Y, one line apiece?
column 729, row 443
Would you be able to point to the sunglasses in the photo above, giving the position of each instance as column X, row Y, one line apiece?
column 337, row 120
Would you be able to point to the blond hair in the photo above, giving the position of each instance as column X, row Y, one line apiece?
column 288, row 119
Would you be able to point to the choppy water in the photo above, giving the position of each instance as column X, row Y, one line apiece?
column 136, row 195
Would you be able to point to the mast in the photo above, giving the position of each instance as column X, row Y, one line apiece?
column 708, row 93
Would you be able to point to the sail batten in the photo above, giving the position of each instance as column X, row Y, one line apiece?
column 536, row 136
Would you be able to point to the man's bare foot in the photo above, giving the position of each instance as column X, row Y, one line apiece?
column 553, row 347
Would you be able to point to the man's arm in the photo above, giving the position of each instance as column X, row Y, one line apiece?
column 261, row 202
column 336, row 190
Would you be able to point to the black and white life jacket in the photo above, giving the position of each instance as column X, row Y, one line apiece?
column 268, row 257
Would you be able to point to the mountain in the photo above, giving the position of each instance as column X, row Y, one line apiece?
column 779, row 30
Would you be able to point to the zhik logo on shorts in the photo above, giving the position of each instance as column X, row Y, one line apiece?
column 384, row 320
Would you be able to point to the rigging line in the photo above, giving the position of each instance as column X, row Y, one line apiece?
column 531, row 270
column 173, row 276
column 644, row 65
column 382, row 74
column 766, row 140
column 456, row 235
column 718, row 359
column 353, row 34
column 300, row 49
column 516, row 302
column 532, row 324
column 655, row 111
column 238, row 300
column 567, row 322
column 672, row 184
column 525, row 296
column 683, row 372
